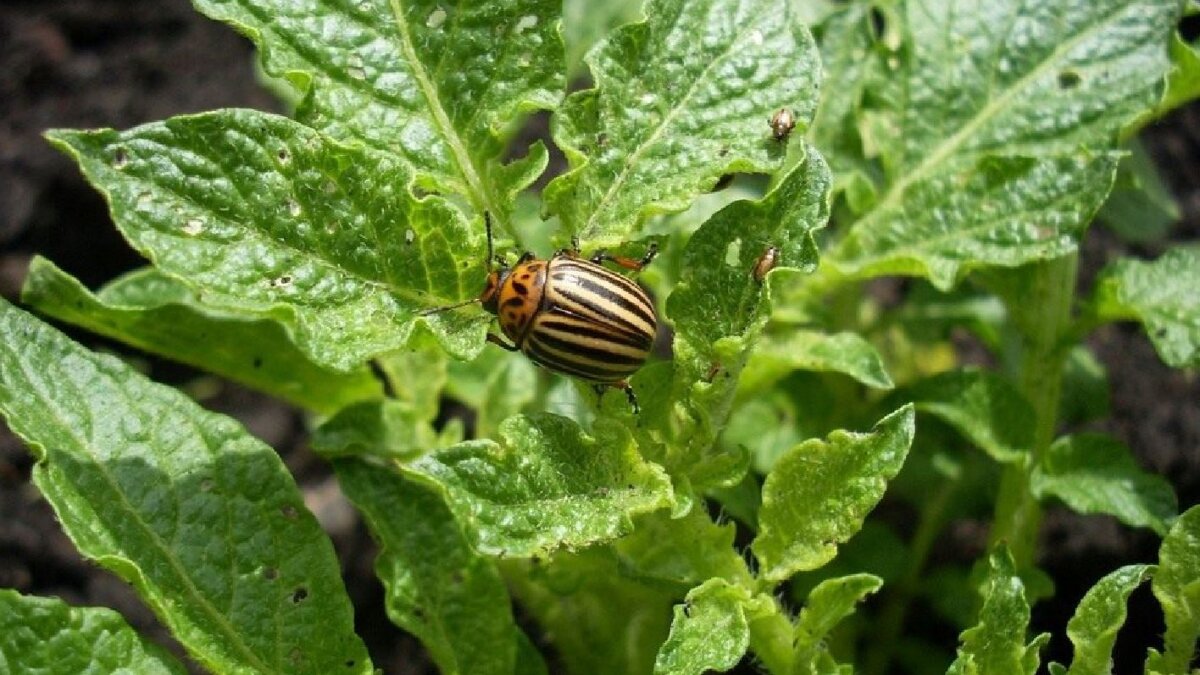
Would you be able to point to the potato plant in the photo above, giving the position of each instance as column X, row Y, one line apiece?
column 963, row 146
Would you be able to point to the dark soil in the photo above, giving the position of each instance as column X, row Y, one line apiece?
column 118, row 63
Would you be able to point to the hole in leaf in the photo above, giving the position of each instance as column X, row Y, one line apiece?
column 193, row 227
column 293, row 208
column 283, row 155
column 1069, row 79
column 733, row 253
column 300, row 595
column 436, row 18
column 878, row 23
column 120, row 158
column 409, row 236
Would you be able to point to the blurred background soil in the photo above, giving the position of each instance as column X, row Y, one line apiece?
column 118, row 63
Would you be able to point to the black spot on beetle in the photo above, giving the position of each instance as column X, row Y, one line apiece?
column 520, row 288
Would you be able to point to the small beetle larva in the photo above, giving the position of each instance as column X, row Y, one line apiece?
column 765, row 263
column 782, row 123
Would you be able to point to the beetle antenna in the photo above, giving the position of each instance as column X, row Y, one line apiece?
column 443, row 308
column 487, row 223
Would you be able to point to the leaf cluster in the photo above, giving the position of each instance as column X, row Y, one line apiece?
column 967, row 147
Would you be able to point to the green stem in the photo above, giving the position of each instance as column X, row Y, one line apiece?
column 1040, row 308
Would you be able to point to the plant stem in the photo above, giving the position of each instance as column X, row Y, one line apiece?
column 1039, row 304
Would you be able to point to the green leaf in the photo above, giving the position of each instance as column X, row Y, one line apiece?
column 588, row 608
column 996, row 644
column 980, row 121
column 1183, row 82
column 1177, row 587
column 268, row 218
column 1101, row 613
column 851, row 61
column 1161, row 295
column 417, row 377
column 1094, row 473
column 549, row 485
column 436, row 85
column 585, row 22
column 780, row 353
column 680, row 100
column 830, row 602
column 496, row 384
column 1141, row 208
column 984, row 407
column 717, row 295
column 684, row 551
column 709, row 631
column 201, row 518
column 994, row 211
column 438, row 589
column 388, row 429
column 819, row 493
column 45, row 635
column 153, row 312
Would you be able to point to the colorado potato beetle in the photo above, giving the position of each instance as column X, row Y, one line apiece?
column 782, row 123
column 572, row 315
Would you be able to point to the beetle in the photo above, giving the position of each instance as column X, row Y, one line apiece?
column 572, row 315
column 782, row 123
column 765, row 263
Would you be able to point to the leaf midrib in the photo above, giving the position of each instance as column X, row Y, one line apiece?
column 481, row 198
column 994, row 106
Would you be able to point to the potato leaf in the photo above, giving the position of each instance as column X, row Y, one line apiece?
column 200, row 517
column 996, row 127
column 831, row 601
column 1161, row 295
column 432, row 84
column 264, row 216
column 984, row 407
column 1101, row 613
column 996, row 644
column 45, row 635
column 709, row 632
column 680, row 99
column 1094, row 473
column 818, row 494
column 151, row 311
column 450, row 597
column 1177, row 587
column 547, row 486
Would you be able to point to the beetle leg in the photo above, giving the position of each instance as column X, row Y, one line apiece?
column 627, row 263
column 622, row 385
column 526, row 257
column 495, row 339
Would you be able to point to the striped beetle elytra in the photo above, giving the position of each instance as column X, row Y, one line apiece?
column 572, row 315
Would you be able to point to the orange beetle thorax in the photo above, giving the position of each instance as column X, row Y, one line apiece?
column 518, row 297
